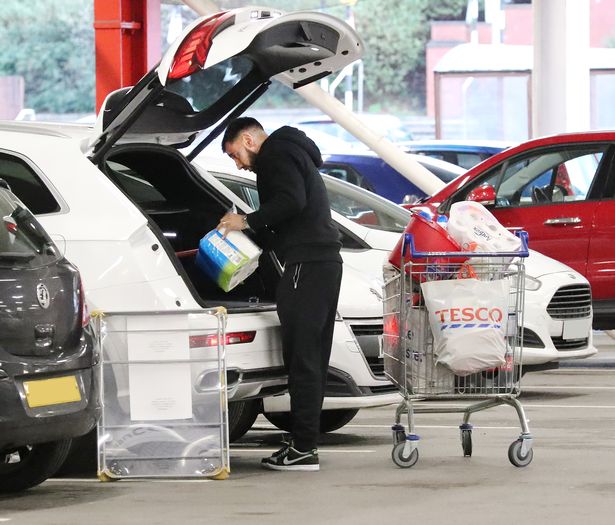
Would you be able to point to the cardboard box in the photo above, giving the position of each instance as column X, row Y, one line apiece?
column 228, row 261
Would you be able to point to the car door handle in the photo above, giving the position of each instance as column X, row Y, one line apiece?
column 562, row 220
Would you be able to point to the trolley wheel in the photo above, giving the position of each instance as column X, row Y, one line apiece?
column 105, row 478
column 222, row 475
column 466, row 442
column 404, row 461
column 516, row 457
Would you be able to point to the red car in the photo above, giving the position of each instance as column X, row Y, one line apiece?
column 561, row 189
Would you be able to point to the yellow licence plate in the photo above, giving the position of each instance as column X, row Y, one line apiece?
column 45, row 392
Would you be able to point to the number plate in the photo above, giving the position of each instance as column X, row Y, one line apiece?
column 55, row 391
column 576, row 329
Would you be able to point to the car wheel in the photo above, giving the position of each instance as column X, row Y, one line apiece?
column 82, row 456
column 241, row 417
column 330, row 420
column 30, row 465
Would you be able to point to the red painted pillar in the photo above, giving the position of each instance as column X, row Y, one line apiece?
column 128, row 43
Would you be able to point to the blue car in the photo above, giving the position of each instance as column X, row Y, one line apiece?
column 464, row 153
column 368, row 171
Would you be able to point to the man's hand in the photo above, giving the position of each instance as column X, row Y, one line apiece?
column 231, row 222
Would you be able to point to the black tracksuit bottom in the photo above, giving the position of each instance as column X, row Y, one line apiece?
column 307, row 298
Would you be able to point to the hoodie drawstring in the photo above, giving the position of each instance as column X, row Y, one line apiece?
column 296, row 275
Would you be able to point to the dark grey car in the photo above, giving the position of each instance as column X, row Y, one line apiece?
column 48, row 391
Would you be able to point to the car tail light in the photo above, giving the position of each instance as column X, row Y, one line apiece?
column 232, row 338
column 83, row 307
column 10, row 223
column 192, row 52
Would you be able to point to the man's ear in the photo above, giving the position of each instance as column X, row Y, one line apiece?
column 248, row 140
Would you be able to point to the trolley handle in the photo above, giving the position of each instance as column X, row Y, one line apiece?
column 408, row 242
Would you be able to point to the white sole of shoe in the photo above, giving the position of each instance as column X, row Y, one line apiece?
column 305, row 468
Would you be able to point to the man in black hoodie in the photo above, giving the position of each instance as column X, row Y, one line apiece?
column 295, row 206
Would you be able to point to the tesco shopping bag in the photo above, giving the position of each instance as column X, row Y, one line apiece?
column 468, row 319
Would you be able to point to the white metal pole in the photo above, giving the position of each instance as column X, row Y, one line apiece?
column 390, row 153
column 560, row 74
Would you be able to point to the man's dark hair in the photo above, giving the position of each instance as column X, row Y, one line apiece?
column 237, row 126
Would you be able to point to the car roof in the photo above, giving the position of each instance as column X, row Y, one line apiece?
column 479, row 146
column 50, row 129
column 421, row 159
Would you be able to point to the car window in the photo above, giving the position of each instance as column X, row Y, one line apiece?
column 23, row 242
column 365, row 208
column 347, row 174
column 469, row 160
column 139, row 189
column 27, row 185
column 551, row 177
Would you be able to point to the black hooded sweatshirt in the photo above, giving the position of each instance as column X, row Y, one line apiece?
column 293, row 199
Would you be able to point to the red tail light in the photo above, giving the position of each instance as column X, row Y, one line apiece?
column 83, row 307
column 232, row 338
column 192, row 52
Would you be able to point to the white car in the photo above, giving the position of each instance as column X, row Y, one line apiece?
column 356, row 375
column 557, row 325
column 123, row 201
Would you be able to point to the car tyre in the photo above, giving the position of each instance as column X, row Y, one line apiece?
column 330, row 420
column 241, row 417
column 30, row 465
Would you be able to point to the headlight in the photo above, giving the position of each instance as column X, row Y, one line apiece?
column 532, row 284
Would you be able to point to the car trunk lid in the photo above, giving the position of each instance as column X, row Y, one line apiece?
column 218, row 67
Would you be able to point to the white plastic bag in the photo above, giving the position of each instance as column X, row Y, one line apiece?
column 476, row 229
column 468, row 319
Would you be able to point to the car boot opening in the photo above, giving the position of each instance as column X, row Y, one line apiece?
column 181, row 208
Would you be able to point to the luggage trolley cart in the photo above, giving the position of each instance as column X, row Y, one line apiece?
column 163, row 394
column 408, row 347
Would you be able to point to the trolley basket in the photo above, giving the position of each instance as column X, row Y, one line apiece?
column 411, row 358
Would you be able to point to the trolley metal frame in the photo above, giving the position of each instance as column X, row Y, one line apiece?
column 410, row 361
column 189, row 343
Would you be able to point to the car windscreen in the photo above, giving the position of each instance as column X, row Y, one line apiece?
column 365, row 208
column 23, row 242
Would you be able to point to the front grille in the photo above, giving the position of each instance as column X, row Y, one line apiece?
column 571, row 302
column 382, row 389
column 376, row 365
column 366, row 329
column 569, row 344
column 368, row 336
column 531, row 339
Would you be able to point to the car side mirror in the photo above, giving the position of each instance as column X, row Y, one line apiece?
column 410, row 199
column 484, row 195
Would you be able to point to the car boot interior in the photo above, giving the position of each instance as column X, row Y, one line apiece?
column 181, row 208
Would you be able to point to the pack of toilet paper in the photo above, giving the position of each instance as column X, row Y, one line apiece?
column 227, row 260
column 476, row 229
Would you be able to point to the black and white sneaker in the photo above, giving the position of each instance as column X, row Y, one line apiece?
column 289, row 458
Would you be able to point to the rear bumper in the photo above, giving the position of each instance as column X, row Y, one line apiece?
column 342, row 392
column 281, row 403
column 20, row 425
column 255, row 384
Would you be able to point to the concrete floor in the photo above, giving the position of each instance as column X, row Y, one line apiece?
column 570, row 481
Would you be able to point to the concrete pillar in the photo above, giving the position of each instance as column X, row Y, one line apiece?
column 560, row 75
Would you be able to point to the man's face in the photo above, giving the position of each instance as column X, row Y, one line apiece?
column 243, row 151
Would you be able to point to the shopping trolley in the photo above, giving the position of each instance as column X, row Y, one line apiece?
column 412, row 364
column 163, row 394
